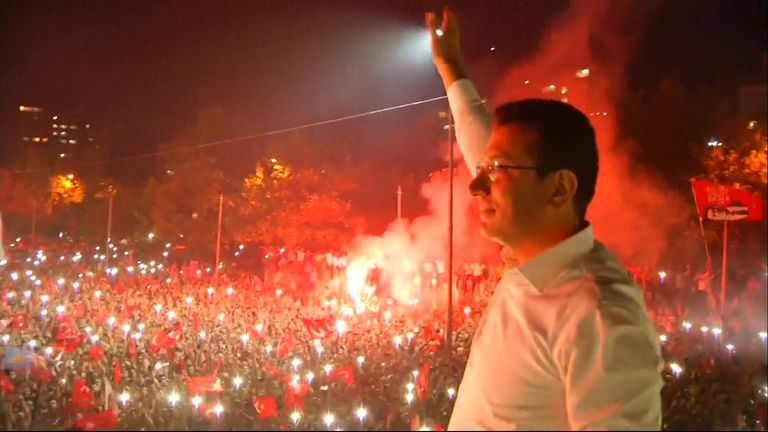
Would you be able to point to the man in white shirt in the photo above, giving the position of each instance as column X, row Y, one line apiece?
column 565, row 342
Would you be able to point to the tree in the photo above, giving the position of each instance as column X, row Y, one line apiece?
column 284, row 206
column 742, row 165
column 186, row 203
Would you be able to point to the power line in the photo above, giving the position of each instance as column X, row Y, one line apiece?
column 236, row 139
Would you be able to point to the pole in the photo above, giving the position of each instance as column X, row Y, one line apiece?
column 723, row 274
column 109, row 225
column 34, row 223
column 399, row 203
column 218, row 235
column 449, row 327
column 701, row 228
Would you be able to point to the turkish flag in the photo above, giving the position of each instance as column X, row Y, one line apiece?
column 116, row 374
column 345, row 374
column 204, row 384
column 163, row 340
column 266, row 406
column 96, row 352
column 81, row 398
column 295, row 392
column 68, row 343
column 105, row 420
column 6, row 386
column 422, row 381
column 716, row 196
column 319, row 328
column 41, row 374
column 273, row 370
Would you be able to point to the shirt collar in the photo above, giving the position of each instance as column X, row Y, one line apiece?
column 541, row 270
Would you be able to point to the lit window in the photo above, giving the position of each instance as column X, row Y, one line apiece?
column 752, row 124
column 55, row 117
column 36, row 139
column 63, row 141
column 63, row 133
column 63, row 126
column 25, row 139
column 55, row 126
column 582, row 73
column 55, row 133
column 87, row 126
column 62, row 155
column 73, row 126
column 45, row 140
column 72, row 141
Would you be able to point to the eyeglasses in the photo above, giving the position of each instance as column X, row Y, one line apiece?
column 491, row 170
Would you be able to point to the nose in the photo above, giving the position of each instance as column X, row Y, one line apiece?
column 480, row 185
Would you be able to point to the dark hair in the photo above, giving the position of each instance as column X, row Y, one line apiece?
column 566, row 140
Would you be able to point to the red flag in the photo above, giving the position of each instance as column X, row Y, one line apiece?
column 204, row 384
column 117, row 373
column 81, row 398
column 208, row 410
column 319, row 328
column 716, row 200
column 132, row 347
column 345, row 374
column 295, row 392
column 162, row 340
column 285, row 346
column 20, row 322
column 422, row 381
column 41, row 374
column 6, row 386
column 273, row 370
column 105, row 420
column 96, row 352
column 68, row 343
column 266, row 406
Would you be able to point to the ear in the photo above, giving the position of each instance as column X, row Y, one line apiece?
column 564, row 185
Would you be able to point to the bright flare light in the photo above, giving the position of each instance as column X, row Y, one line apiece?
column 451, row 393
column 409, row 398
column 676, row 369
column 124, row 398
column 360, row 360
column 763, row 335
column 238, row 382
column 361, row 413
column 173, row 398
column 328, row 419
column 196, row 401
column 687, row 326
column 295, row 417
column 327, row 368
column 295, row 363
column 218, row 409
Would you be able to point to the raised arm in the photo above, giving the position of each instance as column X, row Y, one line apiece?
column 471, row 116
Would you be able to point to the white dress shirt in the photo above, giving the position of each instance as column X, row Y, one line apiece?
column 565, row 342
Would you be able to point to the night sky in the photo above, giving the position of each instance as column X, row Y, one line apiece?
column 141, row 71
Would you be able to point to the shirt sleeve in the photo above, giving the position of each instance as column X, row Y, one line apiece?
column 472, row 121
column 611, row 372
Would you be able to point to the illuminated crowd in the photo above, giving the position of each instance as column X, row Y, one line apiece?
column 91, row 341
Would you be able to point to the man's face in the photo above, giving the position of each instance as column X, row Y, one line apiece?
column 511, row 201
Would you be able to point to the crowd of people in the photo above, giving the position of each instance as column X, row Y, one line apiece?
column 91, row 341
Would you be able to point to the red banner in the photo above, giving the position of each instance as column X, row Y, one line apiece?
column 714, row 199
column 266, row 406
